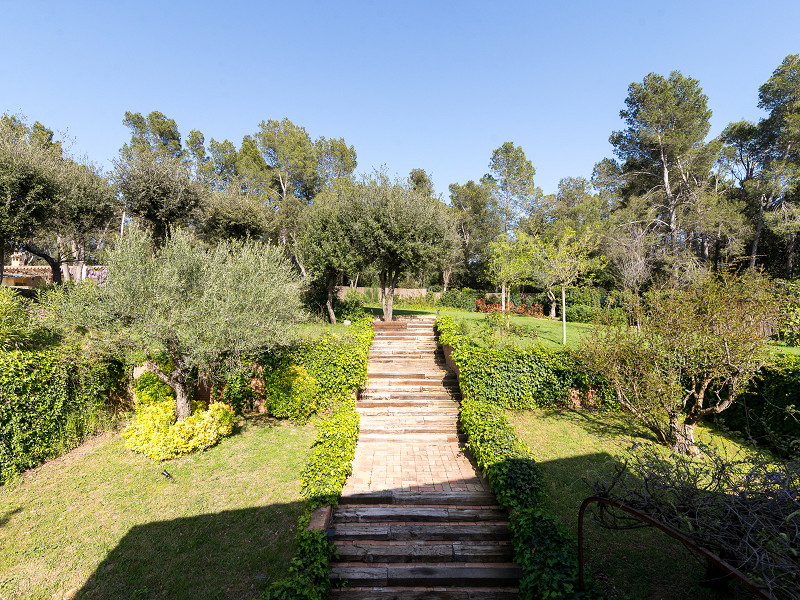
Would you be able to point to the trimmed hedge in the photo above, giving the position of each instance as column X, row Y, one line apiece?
column 493, row 379
column 516, row 378
column 769, row 412
column 50, row 401
column 339, row 368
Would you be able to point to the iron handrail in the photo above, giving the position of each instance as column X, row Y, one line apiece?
column 686, row 541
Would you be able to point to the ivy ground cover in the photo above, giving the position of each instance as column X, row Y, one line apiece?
column 103, row 522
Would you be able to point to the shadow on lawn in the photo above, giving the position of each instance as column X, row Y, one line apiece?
column 233, row 554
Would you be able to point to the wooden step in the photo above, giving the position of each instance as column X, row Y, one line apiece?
column 422, row 552
column 501, row 574
column 398, row 497
column 418, row 593
column 426, row 532
column 411, row 513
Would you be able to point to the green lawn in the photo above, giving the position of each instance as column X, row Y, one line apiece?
column 102, row 522
column 573, row 445
column 547, row 332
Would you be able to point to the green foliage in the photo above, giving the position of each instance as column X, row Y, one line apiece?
column 50, row 400
column 513, row 377
column 238, row 393
column 331, row 455
column 464, row 298
column 291, row 393
column 307, row 578
column 15, row 326
column 155, row 431
column 769, row 411
column 543, row 549
column 581, row 313
column 340, row 368
column 351, row 308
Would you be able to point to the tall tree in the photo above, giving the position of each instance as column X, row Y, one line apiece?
column 206, row 310
column 420, row 182
column 477, row 224
column 513, row 174
column 662, row 148
column 29, row 181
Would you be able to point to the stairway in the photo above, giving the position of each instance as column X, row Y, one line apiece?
column 415, row 519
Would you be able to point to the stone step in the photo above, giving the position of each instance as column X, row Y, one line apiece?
column 502, row 574
column 402, row 395
column 412, row 513
column 419, row 593
column 407, row 431
column 408, row 420
column 425, row 532
column 419, row 552
column 397, row 497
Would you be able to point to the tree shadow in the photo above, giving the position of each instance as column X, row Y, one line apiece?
column 6, row 516
column 229, row 555
column 597, row 421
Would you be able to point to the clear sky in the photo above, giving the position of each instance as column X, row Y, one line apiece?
column 435, row 85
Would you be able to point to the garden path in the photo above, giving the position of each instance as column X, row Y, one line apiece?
column 416, row 519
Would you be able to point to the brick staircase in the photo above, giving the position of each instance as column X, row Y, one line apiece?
column 415, row 519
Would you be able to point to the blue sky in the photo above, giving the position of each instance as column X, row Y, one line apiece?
column 435, row 85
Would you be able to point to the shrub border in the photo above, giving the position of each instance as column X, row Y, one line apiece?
column 324, row 476
column 544, row 549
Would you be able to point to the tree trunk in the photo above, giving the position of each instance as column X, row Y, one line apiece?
column 331, row 289
column 552, row 297
column 790, row 245
column 382, row 277
column 682, row 435
column 55, row 265
column 388, row 296
column 563, row 315
column 2, row 259
column 446, row 273
column 183, row 407
column 757, row 236
column 503, row 297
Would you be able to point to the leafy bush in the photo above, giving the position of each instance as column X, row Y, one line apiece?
column 307, row 576
column 155, row 431
column 769, row 412
column 237, row 392
column 345, row 368
column 291, row 393
column 543, row 549
column 351, row 308
column 51, row 400
column 581, row 313
column 331, row 455
column 15, row 326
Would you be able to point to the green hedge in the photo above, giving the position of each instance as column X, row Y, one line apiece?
column 493, row 379
column 769, row 412
column 50, row 401
column 339, row 367
column 516, row 378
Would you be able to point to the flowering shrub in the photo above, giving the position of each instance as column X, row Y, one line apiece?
column 534, row 310
column 155, row 432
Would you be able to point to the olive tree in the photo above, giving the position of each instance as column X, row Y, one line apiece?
column 205, row 310
column 397, row 229
column 696, row 350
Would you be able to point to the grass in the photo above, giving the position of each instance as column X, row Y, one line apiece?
column 534, row 330
column 102, row 522
column 575, row 445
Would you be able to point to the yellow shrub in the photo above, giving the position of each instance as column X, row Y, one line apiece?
column 156, row 434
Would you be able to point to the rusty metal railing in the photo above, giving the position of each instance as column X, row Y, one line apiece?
column 674, row 533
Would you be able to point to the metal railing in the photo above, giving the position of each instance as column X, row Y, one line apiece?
column 712, row 558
